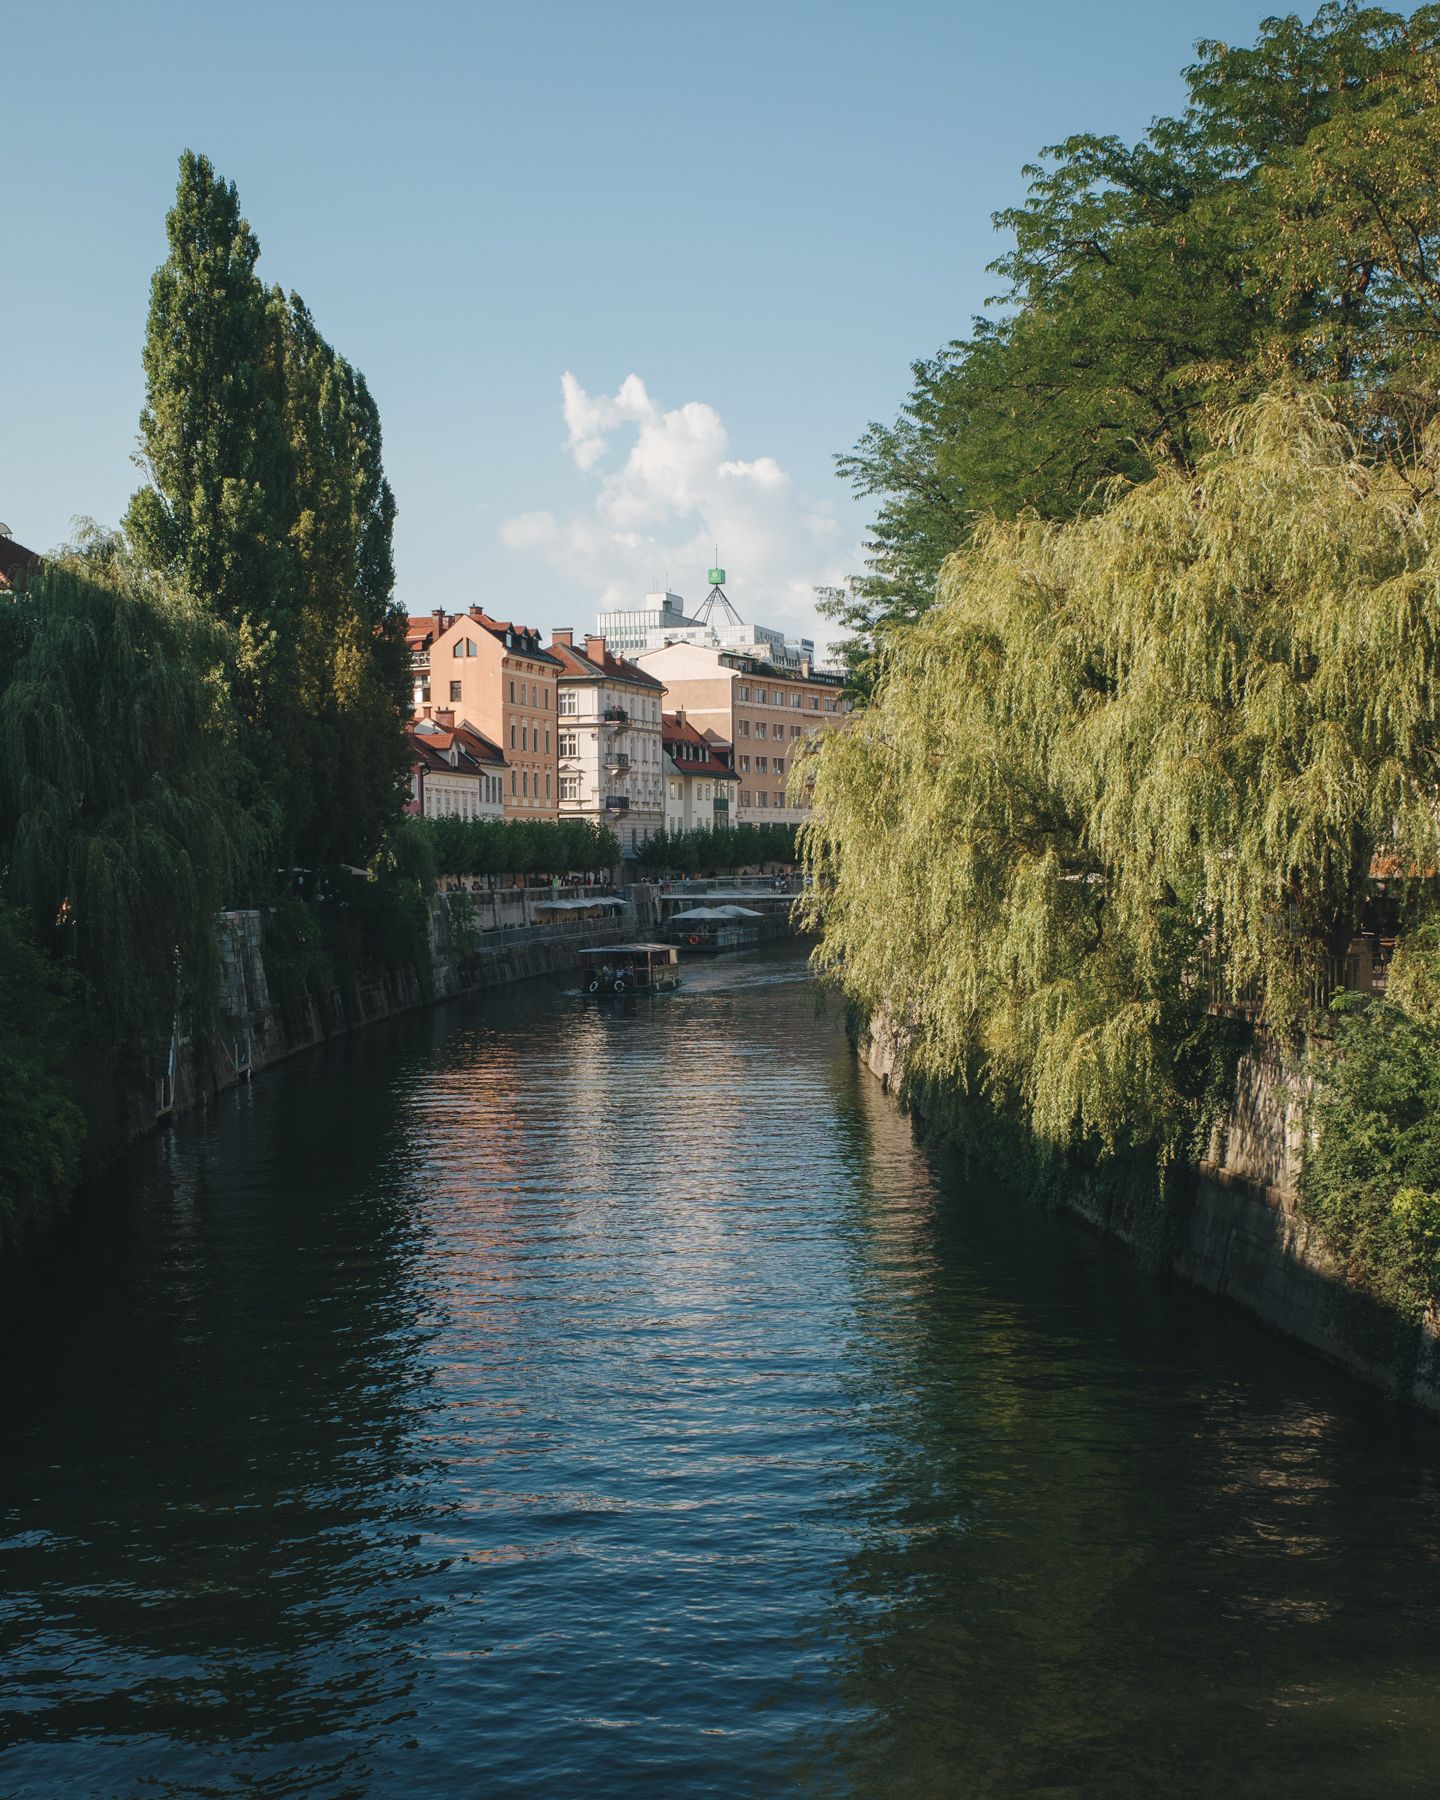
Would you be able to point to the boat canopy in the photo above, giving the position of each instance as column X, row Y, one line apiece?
column 699, row 915
column 576, row 905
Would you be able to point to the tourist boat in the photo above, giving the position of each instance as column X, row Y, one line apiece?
column 629, row 969
column 715, row 927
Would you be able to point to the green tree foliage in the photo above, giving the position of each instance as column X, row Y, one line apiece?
column 41, row 1127
column 267, row 501
column 119, row 824
column 1132, row 753
column 473, row 847
column 352, row 668
column 697, row 852
column 1284, row 224
column 121, row 836
column 1372, row 1176
column 212, row 431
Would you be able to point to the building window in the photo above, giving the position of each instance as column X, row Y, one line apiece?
column 512, row 784
column 744, row 765
column 512, row 693
column 525, row 784
column 524, row 737
column 744, row 728
column 534, row 695
column 454, row 690
column 760, row 728
column 569, row 787
column 744, row 797
column 547, row 740
column 569, row 743
column 744, row 692
column 814, row 703
column 762, row 798
column 674, row 790
column 565, row 703
column 545, row 695
column 512, row 734
column 779, row 765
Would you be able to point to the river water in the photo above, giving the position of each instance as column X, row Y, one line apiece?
column 528, row 1397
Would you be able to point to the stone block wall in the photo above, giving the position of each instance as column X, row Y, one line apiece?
column 1241, row 1233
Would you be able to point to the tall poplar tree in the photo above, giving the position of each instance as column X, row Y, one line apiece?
column 353, row 665
column 268, row 502
column 211, row 432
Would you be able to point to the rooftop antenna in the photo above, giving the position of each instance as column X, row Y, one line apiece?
column 705, row 611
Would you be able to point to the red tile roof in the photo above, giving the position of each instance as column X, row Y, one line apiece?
column 675, row 732
column 579, row 665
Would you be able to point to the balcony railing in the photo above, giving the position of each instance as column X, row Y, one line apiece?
column 616, row 715
column 617, row 803
column 617, row 759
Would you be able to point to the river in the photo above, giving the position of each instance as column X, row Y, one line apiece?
column 529, row 1397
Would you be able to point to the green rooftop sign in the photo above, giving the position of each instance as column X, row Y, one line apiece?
column 717, row 578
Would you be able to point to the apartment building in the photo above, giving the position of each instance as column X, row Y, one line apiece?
column 457, row 773
column 762, row 710
column 609, row 755
column 698, row 779
column 496, row 677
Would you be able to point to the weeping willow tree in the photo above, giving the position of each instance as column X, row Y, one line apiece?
column 1128, row 757
column 120, row 836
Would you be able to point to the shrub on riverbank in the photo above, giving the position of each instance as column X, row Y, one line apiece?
column 1372, row 1172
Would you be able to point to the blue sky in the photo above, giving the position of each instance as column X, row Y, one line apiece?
column 761, row 213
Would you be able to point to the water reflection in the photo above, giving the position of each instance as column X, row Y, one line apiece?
column 212, row 1483
column 1118, row 1543
column 534, row 1398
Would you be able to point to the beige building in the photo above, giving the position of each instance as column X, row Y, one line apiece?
column 609, row 755
column 495, row 677
column 765, row 712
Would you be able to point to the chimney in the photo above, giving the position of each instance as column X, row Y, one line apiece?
column 424, row 712
column 680, row 717
column 477, row 612
column 595, row 648
column 566, row 637
column 444, row 716
column 439, row 617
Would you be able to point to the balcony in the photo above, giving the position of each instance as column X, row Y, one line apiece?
column 617, row 759
column 617, row 803
column 615, row 715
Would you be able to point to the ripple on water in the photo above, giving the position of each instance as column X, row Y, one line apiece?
column 533, row 1397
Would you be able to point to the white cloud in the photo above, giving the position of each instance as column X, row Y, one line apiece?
column 663, row 493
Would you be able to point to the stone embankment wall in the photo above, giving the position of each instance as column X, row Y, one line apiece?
column 1240, row 1233
column 257, row 1031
